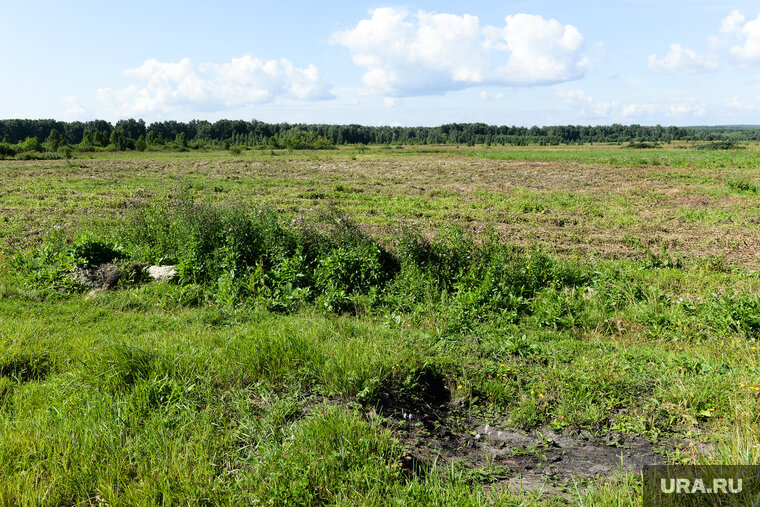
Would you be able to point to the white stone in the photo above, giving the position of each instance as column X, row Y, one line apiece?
column 162, row 273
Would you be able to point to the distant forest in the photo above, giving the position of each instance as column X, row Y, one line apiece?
column 30, row 136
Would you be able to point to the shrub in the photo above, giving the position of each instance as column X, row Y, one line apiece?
column 31, row 144
column 719, row 145
column 743, row 185
column 7, row 150
column 88, row 250
column 235, row 255
column 642, row 145
column 46, row 270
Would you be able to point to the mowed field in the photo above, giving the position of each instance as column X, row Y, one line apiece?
column 539, row 323
column 601, row 202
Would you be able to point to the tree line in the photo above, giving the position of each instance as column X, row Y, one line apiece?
column 21, row 136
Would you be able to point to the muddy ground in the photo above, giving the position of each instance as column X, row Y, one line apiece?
column 437, row 431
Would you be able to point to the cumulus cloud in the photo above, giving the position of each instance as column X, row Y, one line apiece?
column 747, row 52
column 426, row 53
column 738, row 38
column 732, row 23
column 542, row 51
column 680, row 60
column 212, row 86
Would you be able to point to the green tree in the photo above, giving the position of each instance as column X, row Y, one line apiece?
column 88, row 142
column 101, row 138
column 54, row 140
column 119, row 140
column 152, row 139
column 181, row 141
column 31, row 144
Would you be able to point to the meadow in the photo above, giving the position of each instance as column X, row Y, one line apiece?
column 387, row 325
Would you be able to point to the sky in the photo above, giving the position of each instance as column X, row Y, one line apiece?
column 680, row 62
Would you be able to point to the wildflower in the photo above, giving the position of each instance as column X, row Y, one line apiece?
column 532, row 392
column 459, row 386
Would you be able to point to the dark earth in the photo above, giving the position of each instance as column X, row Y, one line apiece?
column 438, row 432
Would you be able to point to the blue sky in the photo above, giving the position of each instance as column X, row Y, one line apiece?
column 687, row 62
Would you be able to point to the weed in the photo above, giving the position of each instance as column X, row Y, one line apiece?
column 743, row 185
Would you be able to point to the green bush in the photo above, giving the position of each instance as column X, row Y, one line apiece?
column 45, row 271
column 88, row 250
column 7, row 150
column 719, row 145
column 237, row 256
column 30, row 144
column 743, row 185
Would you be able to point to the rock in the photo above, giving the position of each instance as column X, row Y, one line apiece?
column 107, row 276
column 103, row 276
column 162, row 273
column 93, row 293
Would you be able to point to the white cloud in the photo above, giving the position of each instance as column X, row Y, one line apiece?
column 491, row 96
column 734, row 103
column 73, row 111
column 680, row 60
column 391, row 102
column 738, row 37
column 741, row 37
column 651, row 112
column 426, row 53
column 748, row 52
column 212, row 86
column 732, row 23
column 738, row 104
column 673, row 110
column 542, row 51
column 715, row 43
column 588, row 106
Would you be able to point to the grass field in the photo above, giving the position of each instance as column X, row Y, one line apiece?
column 446, row 325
